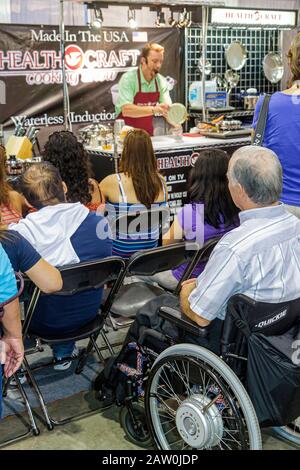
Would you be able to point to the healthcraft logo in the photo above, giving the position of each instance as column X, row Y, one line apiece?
column 44, row 66
column 74, row 57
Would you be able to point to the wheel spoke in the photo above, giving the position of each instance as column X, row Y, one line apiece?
column 173, row 381
column 180, row 376
column 168, row 384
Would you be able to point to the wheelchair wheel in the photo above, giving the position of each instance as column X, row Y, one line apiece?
column 195, row 401
column 291, row 432
column 137, row 432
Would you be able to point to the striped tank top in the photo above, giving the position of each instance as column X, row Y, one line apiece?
column 123, row 245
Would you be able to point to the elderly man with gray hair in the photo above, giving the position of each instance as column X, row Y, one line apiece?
column 260, row 258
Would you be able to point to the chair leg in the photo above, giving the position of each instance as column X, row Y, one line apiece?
column 5, row 387
column 36, row 388
column 33, row 424
column 94, row 343
column 33, row 428
column 107, row 342
column 83, row 358
column 113, row 323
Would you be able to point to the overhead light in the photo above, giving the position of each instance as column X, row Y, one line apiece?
column 185, row 19
column 171, row 20
column 160, row 19
column 188, row 19
column 132, row 23
column 98, row 18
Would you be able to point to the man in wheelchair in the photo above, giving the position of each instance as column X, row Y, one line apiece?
column 259, row 262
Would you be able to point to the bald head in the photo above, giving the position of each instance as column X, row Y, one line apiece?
column 258, row 171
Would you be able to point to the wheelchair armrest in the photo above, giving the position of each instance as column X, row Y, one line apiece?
column 182, row 321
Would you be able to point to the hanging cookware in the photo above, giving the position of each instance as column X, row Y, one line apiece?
column 236, row 55
column 231, row 79
column 207, row 67
column 273, row 67
column 272, row 63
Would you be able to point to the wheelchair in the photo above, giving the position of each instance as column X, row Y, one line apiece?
column 183, row 396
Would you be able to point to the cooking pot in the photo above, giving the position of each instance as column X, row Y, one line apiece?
column 250, row 102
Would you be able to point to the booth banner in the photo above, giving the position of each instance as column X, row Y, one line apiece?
column 175, row 167
column 31, row 79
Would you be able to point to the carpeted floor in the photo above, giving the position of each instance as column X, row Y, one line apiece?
column 56, row 385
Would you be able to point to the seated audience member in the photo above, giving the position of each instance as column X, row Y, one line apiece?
column 26, row 259
column 261, row 257
column 68, row 155
column 138, row 186
column 11, row 350
column 62, row 233
column 11, row 202
column 210, row 212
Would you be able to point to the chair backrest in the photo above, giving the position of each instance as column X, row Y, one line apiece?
column 82, row 277
column 150, row 262
column 139, row 224
column 90, row 275
column 202, row 255
column 245, row 316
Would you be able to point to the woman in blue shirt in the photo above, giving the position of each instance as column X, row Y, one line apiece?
column 282, row 134
column 11, row 345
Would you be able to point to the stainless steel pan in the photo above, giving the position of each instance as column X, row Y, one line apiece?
column 236, row 55
column 273, row 67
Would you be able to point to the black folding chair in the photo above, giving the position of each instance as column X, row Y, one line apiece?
column 141, row 224
column 77, row 278
column 131, row 297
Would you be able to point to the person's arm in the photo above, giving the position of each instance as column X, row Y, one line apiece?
column 174, row 234
column 164, row 92
column 182, row 227
column 222, row 277
column 135, row 111
column 26, row 259
column 11, row 340
column 186, row 290
column 105, row 186
column 45, row 276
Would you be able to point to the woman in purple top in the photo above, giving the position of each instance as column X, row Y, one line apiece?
column 210, row 212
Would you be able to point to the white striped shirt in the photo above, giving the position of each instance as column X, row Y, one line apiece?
column 260, row 258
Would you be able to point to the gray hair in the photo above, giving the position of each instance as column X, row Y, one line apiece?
column 258, row 171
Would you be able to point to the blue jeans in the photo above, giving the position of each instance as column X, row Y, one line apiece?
column 61, row 350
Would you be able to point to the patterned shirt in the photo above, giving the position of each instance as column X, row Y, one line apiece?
column 260, row 259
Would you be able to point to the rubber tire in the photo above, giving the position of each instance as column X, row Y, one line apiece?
column 126, row 423
column 225, row 372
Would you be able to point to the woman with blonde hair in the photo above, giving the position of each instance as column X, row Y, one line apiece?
column 138, row 186
column 11, row 202
column 282, row 132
